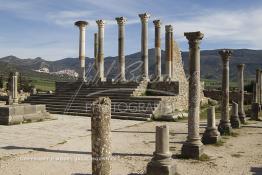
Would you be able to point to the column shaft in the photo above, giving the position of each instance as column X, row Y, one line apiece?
column 100, row 54
column 96, row 50
column 241, row 111
column 14, row 88
column 257, row 86
column 169, row 31
column 158, row 73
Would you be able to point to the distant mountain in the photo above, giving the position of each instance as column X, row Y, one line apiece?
column 210, row 64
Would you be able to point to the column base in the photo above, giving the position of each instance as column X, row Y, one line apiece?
column 161, row 167
column 210, row 136
column 192, row 150
column 157, row 78
column 255, row 111
column 224, row 128
column 235, row 122
column 242, row 118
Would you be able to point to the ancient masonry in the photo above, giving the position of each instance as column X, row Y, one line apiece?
column 153, row 97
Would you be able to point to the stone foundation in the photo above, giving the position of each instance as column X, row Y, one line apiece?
column 16, row 114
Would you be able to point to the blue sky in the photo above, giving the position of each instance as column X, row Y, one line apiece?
column 45, row 28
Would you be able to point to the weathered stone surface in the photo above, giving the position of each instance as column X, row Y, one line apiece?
column 100, row 54
column 211, row 134
column 241, row 111
column 255, row 111
column 224, row 125
column 161, row 163
column 193, row 147
column 234, row 119
column 158, row 71
column 101, row 136
column 19, row 113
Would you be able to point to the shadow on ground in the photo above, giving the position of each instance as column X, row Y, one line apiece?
column 73, row 152
column 256, row 170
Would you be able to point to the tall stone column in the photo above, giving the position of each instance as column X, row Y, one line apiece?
column 101, row 136
column 82, row 43
column 14, row 88
column 144, row 44
column 100, row 54
column 121, row 47
column 158, row 72
column 193, row 147
column 161, row 163
column 260, row 87
column 224, row 125
column 169, row 32
column 241, row 111
column 257, row 85
column 211, row 134
column 96, row 50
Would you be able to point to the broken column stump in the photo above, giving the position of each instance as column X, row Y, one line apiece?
column 234, row 119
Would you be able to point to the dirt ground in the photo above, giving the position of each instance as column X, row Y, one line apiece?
column 62, row 147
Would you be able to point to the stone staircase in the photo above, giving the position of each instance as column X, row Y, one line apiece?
column 76, row 99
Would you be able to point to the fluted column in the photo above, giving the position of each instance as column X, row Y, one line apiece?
column 121, row 47
column 168, row 52
column 193, row 147
column 100, row 54
column 241, row 111
column 82, row 27
column 14, row 88
column 96, row 50
column 144, row 44
column 158, row 73
column 257, row 86
column 224, row 125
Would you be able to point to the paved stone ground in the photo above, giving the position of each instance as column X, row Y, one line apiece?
column 62, row 147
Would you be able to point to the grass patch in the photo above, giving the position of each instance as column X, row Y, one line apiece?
column 204, row 157
column 63, row 142
column 219, row 143
column 236, row 155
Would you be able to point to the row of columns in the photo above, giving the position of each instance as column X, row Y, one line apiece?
column 99, row 48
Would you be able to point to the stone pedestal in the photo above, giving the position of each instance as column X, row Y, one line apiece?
column 101, row 136
column 255, row 111
column 158, row 73
column 82, row 27
column 224, row 126
column 121, row 48
column 20, row 113
column 211, row 134
column 161, row 163
column 234, row 119
column 144, row 44
column 193, row 147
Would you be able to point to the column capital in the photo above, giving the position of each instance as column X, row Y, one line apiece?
column 194, row 36
column 240, row 66
column 169, row 28
column 121, row 20
column 81, row 23
column 257, row 70
column 157, row 23
column 101, row 23
column 225, row 54
column 144, row 17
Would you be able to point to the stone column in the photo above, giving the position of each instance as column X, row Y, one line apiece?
column 253, row 91
column 260, row 87
column 211, row 134
column 14, row 88
column 257, row 86
column 169, row 31
column 193, row 147
column 234, row 119
column 224, row 125
column 100, row 54
column 101, row 136
column 82, row 43
column 172, row 55
column 121, row 47
column 144, row 44
column 157, row 24
column 241, row 111
column 161, row 163
column 96, row 50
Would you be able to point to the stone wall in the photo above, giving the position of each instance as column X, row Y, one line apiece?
column 163, row 88
column 216, row 95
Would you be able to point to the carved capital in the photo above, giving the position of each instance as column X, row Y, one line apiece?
column 194, row 38
column 144, row 17
column 81, row 23
column 101, row 23
column 240, row 66
column 121, row 20
column 225, row 54
column 169, row 28
column 157, row 23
